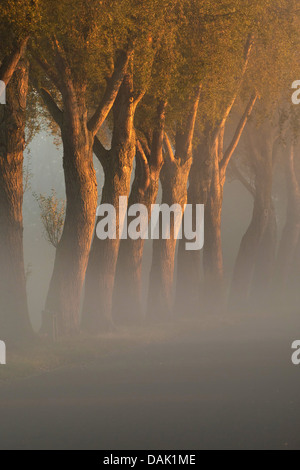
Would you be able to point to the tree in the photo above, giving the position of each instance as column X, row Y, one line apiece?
column 148, row 26
column 72, row 52
column 52, row 216
column 17, row 23
column 128, row 288
column 261, row 74
column 255, row 261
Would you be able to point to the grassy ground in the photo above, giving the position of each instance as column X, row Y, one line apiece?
column 41, row 356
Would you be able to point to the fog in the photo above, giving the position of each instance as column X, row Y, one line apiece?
column 222, row 381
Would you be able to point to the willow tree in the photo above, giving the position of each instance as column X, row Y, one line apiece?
column 127, row 306
column 17, row 21
column 256, row 257
column 256, row 65
column 286, row 273
column 79, row 47
column 289, row 242
column 204, row 45
column 150, row 123
column 147, row 26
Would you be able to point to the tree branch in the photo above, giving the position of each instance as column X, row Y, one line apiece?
column 50, row 72
column 242, row 179
column 184, row 140
column 144, row 181
column 53, row 108
column 247, row 54
column 110, row 94
column 144, row 142
column 100, row 152
column 169, row 149
column 11, row 61
column 238, row 133
column 156, row 156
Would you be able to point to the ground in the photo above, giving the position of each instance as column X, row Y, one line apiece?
column 227, row 390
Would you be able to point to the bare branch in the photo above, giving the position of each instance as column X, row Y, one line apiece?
column 10, row 62
column 247, row 54
column 242, row 179
column 144, row 142
column 100, row 152
column 184, row 140
column 52, row 107
column 110, row 94
column 168, row 145
column 156, row 156
column 50, row 71
column 238, row 133
column 144, row 182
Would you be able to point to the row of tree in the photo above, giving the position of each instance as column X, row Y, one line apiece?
column 176, row 82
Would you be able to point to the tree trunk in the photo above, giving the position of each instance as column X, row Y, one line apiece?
column 256, row 254
column 128, row 289
column 207, row 185
column 213, row 254
column 291, row 232
column 62, row 311
column 189, row 272
column 61, row 316
column 174, row 180
column 97, row 307
column 14, row 317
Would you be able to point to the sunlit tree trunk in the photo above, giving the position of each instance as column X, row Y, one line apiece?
column 117, row 165
column 14, row 317
column 213, row 254
column 128, row 288
column 61, row 317
column 174, row 180
column 189, row 298
column 63, row 300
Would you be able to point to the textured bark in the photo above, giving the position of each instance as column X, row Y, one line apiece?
column 63, row 300
column 11, row 61
column 117, row 165
column 189, row 273
column 287, row 251
column 206, row 186
column 14, row 318
column 62, row 311
column 174, row 180
column 212, row 254
column 255, row 261
column 128, row 288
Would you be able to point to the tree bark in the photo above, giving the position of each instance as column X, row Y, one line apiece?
column 61, row 318
column 212, row 254
column 255, row 259
column 14, row 316
column 174, row 180
column 117, row 165
column 189, row 272
column 287, row 251
column 63, row 301
column 128, row 289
